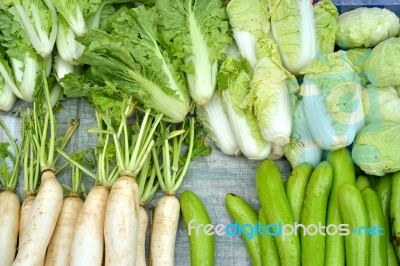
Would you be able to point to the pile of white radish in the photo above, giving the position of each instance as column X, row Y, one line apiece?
column 110, row 226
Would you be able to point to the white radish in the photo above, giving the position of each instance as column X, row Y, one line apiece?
column 25, row 212
column 164, row 228
column 9, row 213
column 58, row 252
column 141, row 240
column 121, row 222
column 42, row 221
column 88, row 240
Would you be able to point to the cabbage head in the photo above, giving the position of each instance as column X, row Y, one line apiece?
column 381, row 104
column 366, row 27
column 383, row 65
column 375, row 149
column 326, row 25
column 358, row 57
column 331, row 93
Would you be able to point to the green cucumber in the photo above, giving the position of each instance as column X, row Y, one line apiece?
column 275, row 204
column 362, row 182
column 384, row 191
column 242, row 213
column 269, row 251
column 296, row 188
column 353, row 213
column 343, row 172
column 314, row 213
column 395, row 212
column 201, row 241
column 378, row 240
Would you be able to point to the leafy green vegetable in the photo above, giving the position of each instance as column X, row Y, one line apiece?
column 234, row 80
column 331, row 92
column 39, row 19
column 198, row 33
column 366, row 27
column 249, row 20
column 326, row 25
column 381, row 104
column 375, row 148
column 302, row 147
column 68, row 48
column 72, row 12
column 130, row 59
column 383, row 65
column 274, row 94
column 358, row 57
column 293, row 28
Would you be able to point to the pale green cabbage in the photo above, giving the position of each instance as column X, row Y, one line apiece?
column 326, row 25
column 358, row 57
column 366, row 27
column 274, row 94
column 293, row 28
column 302, row 147
column 381, row 104
column 375, row 150
column 234, row 79
column 249, row 20
column 383, row 65
column 331, row 93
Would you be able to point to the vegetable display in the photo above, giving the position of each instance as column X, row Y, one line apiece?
column 162, row 82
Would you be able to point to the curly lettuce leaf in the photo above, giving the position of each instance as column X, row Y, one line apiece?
column 197, row 31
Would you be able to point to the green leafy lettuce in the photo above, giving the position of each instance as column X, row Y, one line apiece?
column 131, row 60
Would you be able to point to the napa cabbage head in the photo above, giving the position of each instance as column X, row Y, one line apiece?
column 274, row 91
column 293, row 28
column 381, row 104
column 326, row 25
column 375, row 150
column 331, row 93
column 234, row 79
column 199, row 34
column 383, row 65
column 216, row 123
column 358, row 57
column 302, row 147
column 249, row 20
column 366, row 27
